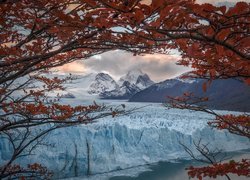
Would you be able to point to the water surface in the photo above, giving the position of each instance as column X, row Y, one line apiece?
column 176, row 170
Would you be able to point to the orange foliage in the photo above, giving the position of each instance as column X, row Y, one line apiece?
column 35, row 170
column 38, row 35
column 241, row 168
column 211, row 39
column 235, row 124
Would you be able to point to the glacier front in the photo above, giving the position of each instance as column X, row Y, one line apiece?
column 148, row 135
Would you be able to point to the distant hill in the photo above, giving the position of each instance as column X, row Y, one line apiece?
column 224, row 94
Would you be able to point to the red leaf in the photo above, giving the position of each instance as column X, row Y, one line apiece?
column 204, row 86
column 247, row 81
column 157, row 3
column 212, row 72
column 139, row 16
column 223, row 9
column 208, row 7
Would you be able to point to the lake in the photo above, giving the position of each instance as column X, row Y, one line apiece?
column 176, row 170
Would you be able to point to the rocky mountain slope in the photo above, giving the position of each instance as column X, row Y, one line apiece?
column 133, row 82
column 102, row 85
column 229, row 94
column 102, row 82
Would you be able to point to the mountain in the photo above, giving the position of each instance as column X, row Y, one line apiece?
column 131, row 76
column 87, row 87
column 143, row 81
column 80, row 86
column 133, row 82
column 138, row 78
column 125, row 91
column 226, row 94
column 102, row 85
column 103, row 82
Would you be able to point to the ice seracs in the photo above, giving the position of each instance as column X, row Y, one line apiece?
column 148, row 135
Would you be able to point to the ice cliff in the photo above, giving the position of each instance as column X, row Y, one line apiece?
column 149, row 135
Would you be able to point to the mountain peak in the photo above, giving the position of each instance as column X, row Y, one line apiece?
column 138, row 78
column 131, row 76
column 143, row 81
column 103, row 82
column 103, row 77
column 134, row 81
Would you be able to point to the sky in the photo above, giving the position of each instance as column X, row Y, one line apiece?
column 117, row 63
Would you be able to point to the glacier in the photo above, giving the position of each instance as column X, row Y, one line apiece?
column 150, row 134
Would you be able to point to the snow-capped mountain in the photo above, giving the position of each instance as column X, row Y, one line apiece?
column 102, row 85
column 103, row 82
column 125, row 91
column 229, row 94
column 143, row 81
column 133, row 82
column 88, row 86
column 138, row 78
column 80, row 86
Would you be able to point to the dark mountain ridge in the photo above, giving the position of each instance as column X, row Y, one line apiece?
column 223, row 94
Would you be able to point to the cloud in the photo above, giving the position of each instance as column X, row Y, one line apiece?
column 73, row 67
column 117, row 63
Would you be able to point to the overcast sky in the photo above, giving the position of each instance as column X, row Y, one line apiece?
column 118, row 63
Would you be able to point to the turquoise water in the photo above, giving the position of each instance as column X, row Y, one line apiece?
column 176, row 170
column 160, row 171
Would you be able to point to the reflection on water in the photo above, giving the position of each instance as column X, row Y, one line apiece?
column 160, row 171
column 176, row 170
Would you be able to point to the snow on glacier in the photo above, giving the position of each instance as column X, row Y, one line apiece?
column 150, row 134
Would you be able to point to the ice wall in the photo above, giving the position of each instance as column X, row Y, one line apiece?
column 149, row 135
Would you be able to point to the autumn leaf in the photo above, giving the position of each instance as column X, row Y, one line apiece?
column 204, row 86
column 139, row 16
column 157, row 3
column 247, row 81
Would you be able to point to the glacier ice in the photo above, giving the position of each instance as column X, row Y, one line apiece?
column 149, row 135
